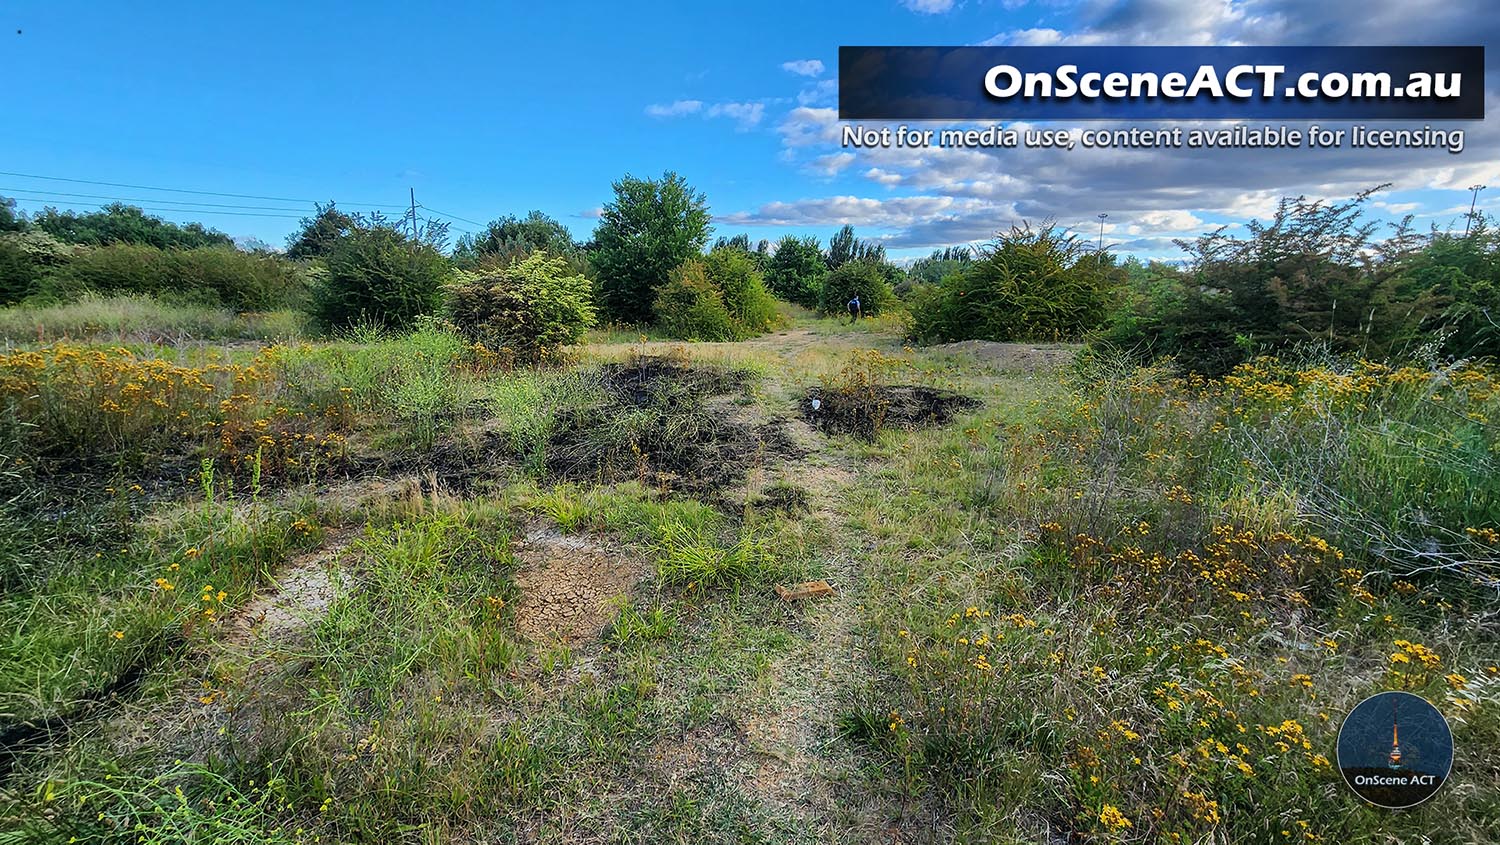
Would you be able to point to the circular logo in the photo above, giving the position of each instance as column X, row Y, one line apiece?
column 1395, row 750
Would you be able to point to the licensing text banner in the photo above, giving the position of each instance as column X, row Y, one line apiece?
column 1161, row 83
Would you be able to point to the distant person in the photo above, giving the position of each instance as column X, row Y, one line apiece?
column 855, row 312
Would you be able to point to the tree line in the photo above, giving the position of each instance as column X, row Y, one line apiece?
column 1316, row 273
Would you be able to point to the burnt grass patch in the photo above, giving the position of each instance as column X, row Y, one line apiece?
column 864, row 410
column 667, row 424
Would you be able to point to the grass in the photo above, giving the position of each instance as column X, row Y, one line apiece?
column 142, row 319
column 1106, row 604
column 1184, row 627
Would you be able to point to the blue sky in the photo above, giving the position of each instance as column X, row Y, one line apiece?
column 495, row 108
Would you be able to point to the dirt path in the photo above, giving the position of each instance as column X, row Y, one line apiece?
column 798, row 762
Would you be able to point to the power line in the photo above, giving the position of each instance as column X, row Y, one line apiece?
column 202, row 211
column 184, row 190
column 5, row 191
column 454, row 216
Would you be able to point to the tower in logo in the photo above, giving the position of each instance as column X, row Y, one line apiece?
column 1395, row 756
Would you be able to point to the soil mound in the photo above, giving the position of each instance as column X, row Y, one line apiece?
column 865, row 410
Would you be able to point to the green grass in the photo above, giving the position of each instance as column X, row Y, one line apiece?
column 142, row 319
column 100, row 614
column 1052, row 616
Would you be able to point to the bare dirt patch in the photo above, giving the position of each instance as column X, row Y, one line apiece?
column 301, row 595
column 568, row 585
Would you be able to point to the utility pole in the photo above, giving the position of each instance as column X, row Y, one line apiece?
column 413, row 216
column 1473, row 202
column 1102, row 215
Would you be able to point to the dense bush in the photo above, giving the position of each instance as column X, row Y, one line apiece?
column 214, row 275
column 1027, row 284
column 1313, row 276
column 795, row 271
column 510, row 239
column 25, row 259
column 17, row 273
column 864, row 279
column 648, row 230
column 317, row 234
column 733, row 272
column 376, row 274
column 691, row 307
column 527, row 311
column 120, row 223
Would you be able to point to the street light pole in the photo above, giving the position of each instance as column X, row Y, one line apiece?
column 1473, row 203
column 1101, row 231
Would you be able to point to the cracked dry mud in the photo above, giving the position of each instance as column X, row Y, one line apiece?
column 568, row 585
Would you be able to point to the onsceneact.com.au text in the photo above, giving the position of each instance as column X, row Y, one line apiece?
column 1239, row 81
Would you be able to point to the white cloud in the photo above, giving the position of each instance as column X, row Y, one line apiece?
column 675, row 109
column 744, row 114
column 806, row 125
column 804, row 67
column 855, row 211
column 1158, row 222
column 1151, row 195
column 831, row 164
column 928, row 7
column 819, row 93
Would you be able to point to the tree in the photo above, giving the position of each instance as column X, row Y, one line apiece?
column 795, row 271
column 512, row 238
column 527, row 310
column 940, row 263
column 125, row 224
column 319, row 232
column 844, row 247
column 378, row 274
column 648, row 230
column 10, row 220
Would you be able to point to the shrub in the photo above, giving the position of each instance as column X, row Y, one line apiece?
column 18, row 274
column 378, row 275
column 1028, row 284
column 650, row 228
column 215, row 275
column 733, row 272
column 795, row 271
column 691, row 307
column 527, row 311
column 124, row 224
column 26, row 257
column 864, row 279
column 1312, row 276
column 234, row 278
